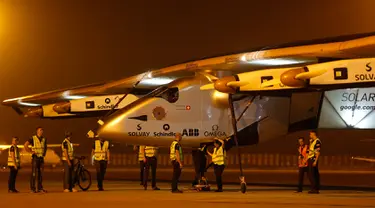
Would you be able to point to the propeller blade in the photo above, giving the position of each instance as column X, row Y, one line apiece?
column 207, row 87
column 237, row 83
column 310, row 74
column 270, row 83
column 210, row 77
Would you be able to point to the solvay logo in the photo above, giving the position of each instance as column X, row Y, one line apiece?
column 139, row 127
column 368, row 67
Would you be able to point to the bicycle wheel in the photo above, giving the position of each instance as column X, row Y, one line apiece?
column 84, row 180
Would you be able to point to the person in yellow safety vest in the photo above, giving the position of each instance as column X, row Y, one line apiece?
column 150, row 155
column 313, row 161
column 38, row 150
column 68, row 161
column 176, row 156
column 219, row 159
column 14, row 164
column 141, row 158
column 302, row 162
column 100, row 152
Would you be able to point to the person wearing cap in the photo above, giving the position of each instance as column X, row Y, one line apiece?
column 68, row 160
column 100, row 153
column 219, row 160
column 14, row 165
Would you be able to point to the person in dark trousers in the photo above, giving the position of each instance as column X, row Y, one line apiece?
column 313, row 162
column 177, row 158
column 38, row 150
column 100, row 152
column 14, row 164
column 219, row 160
column 302, row 162
column 68, row 161
column 200, row 161
column 141, row 158
column 151, row 161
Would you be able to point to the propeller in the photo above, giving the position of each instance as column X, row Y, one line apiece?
column 296, row 77
column 225, row 84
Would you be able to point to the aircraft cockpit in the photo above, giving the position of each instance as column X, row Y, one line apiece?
column 170, row 94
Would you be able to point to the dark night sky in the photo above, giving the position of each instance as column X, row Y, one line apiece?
column 46, row 45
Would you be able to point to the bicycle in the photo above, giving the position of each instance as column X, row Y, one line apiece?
column 81, row 175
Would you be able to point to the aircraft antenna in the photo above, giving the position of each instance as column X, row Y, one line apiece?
column 234, row 126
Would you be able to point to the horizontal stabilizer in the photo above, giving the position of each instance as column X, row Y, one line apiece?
column 207, row 87
column 363, row 159
column 237, row 83
column 310, row 74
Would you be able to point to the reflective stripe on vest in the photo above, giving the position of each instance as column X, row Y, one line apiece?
column 101, row 152
column 151, row 151
column 16, row 156
column 219, row 156
column 311, row 149
column 70, row 150
column 172, row 153
column 303, row 160
column 38, row 146
column 141, row 155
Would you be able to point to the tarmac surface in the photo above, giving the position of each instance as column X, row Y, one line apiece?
column 131, row 194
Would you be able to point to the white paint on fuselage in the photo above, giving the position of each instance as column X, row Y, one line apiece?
column 202, row 116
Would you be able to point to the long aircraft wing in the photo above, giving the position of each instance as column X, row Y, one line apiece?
column 316, row 51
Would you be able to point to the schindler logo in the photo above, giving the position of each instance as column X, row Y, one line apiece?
column 365, row 76
column 340, row 73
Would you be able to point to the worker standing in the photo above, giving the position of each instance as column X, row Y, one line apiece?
column 150, row 154
column 141, row 158
column 68, row 160
column 14, row 165
column 219, row 160
column 177, row 158
column 38, row 150
column 313, row 162
column 302, row 162
column 200, row 162
column 100, row 152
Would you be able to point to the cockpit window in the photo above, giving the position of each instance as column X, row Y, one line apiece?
column 170, row 95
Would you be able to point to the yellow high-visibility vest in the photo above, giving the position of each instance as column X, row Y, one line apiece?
column 219, row 156
column 151, row 151
column 100, row 152
column 38, row 146
column 172, row 153
column 70, row 150
column 141, row 155
column 311, row 149
column 11, row 162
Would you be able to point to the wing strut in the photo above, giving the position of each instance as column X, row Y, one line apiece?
column 247, row 106
column 234, row 126
column 100, row 121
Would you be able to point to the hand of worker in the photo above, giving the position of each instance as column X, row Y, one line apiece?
column 314, row 164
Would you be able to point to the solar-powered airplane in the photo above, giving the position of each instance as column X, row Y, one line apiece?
column 248, row 97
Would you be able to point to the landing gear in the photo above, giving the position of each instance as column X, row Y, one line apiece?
column 234, row 126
